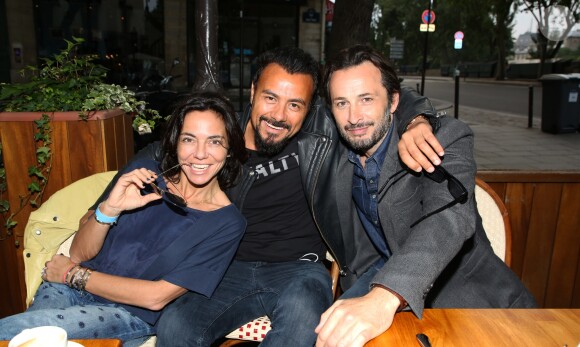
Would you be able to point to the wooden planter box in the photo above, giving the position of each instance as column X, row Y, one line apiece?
column 80, row 149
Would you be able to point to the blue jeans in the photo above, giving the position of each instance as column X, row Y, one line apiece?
column 293, row 294
column 78, row 313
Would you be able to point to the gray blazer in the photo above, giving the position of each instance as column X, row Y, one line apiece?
column 444, row 261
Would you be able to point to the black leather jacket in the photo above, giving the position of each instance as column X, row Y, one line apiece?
column 318, row 142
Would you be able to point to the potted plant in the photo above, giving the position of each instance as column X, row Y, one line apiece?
column 62, row 125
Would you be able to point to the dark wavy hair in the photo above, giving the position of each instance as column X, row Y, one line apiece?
column 294, row 60
column 204, row 101
column 357, row 55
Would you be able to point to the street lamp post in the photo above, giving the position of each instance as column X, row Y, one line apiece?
column 425, row 50
column 241, row 79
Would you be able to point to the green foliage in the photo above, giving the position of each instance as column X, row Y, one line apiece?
column 107, row 96
column 72, row 82
column 401, row 19
column 569, row 54
column 61, row 84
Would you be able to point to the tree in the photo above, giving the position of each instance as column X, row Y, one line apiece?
column 350, row 25
column 543, row 10
column 502, row 13
column 401, row 20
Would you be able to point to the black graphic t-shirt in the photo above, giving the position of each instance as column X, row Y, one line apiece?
column 280, row 226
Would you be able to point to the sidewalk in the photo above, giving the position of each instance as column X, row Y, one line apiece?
column 503, row 142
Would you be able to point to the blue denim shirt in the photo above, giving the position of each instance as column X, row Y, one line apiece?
column 365, row 184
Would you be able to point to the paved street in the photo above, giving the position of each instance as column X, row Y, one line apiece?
column 503, row 141
column 486, row 93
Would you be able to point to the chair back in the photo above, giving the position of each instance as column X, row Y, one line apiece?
column 495, row 220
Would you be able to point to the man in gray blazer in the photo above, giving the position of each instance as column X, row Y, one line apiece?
column 411, row 240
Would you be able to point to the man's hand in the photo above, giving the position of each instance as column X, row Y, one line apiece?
column 353, row 322
column 418, row 147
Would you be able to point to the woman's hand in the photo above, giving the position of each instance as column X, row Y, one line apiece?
column 55, row 269
column 126, row 194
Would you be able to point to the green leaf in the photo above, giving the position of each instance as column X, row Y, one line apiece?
column 34, row 187
column 4, row 206
column 10, row 224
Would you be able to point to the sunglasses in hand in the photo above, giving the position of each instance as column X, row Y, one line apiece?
column 455, row 187
column 174, row 199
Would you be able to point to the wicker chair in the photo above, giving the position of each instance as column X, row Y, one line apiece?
column 495, row 220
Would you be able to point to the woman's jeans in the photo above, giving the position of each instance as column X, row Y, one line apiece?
column 78, row 313
column 292, row 294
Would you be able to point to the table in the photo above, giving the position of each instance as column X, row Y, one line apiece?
column 87, row 343
column 485, row 327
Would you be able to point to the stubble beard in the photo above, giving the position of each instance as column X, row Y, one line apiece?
column 268, row 145
column 363, row 145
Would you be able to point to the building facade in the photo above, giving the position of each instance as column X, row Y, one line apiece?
column 138, row 38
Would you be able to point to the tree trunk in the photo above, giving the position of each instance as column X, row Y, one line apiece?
column 542, row 45
column 351, row 24
column 206, row 51
column 502, row 9
column 501, row 63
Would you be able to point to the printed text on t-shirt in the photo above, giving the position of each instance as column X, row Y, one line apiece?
column 276, row 166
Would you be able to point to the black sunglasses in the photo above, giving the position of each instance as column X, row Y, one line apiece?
column 169, row 196
column 454, row 186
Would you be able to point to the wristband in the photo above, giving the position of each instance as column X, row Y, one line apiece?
column 104, row 219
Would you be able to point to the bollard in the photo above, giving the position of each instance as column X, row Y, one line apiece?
column 530, row 105
column 456, row 96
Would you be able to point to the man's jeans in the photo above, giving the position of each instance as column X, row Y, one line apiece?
column 293, row 294
column 78, row 313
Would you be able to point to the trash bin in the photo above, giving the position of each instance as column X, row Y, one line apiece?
column 560, row 103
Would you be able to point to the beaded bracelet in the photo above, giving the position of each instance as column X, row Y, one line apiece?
column 76, row 278
column 86, row 277
column 80, row 278
column 72, row 275
column 67, row 273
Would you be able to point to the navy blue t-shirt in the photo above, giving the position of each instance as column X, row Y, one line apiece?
column 186, row 247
